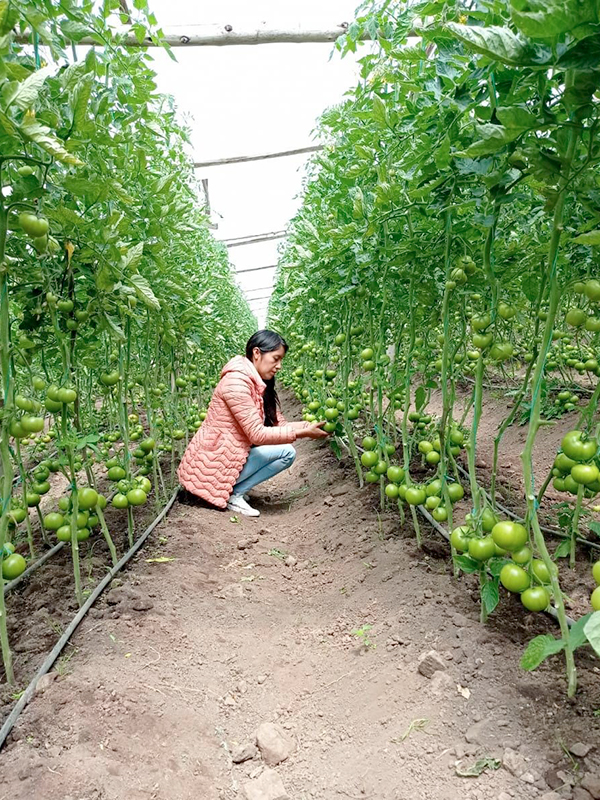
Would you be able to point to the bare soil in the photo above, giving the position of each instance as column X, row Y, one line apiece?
column 184, row 658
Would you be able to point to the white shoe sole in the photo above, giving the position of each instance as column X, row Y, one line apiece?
column 243, row 512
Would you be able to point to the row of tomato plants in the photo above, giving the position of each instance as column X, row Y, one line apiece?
column 117, row 307
column 447, row 240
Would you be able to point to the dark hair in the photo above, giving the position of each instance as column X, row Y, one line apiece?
column 267, row 341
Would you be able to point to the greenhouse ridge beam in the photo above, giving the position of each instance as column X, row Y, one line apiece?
column 266, row 237
column 255, row 269
column 220, row 35
column 243, row 159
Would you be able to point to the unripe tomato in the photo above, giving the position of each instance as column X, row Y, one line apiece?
column 460, row 538
column 415, row 495
column 432, row 502
column 509, row 535
column 576, row 446
column 66, row 306
column 32, row 424
column 522, row 556
column 395, row 474
column 488, row 519
column 392, row 491
column 87, row 498
column 67, row 396
column 433, row 457
column 594, row 599
column 13, row 566
column 120, row 501
column 110, row 378
column 514, row 578
column 596, row 572
column 536, row 598
column 17, row 514
column 369, row 458
column 581, row 473
column 541, row 572
column 455, row 492
column 32, row 499
column 33, row 225
column 116, row 474
column 481, row 549
column 440, row 514
column 371, row 477
column 425, row 447
column 592, row 290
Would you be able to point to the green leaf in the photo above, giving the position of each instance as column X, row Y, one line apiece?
column 80, row 100
column 539, row 649
column 420, row 397
column 495, row 565
column 104, row 279
column 577, row 634
column 499, row 44
column 9, row 15
column 335, row 446
column 547, row 19
column 591, row 238
column 467, row 564
column 595, row 528
column 43, row 137
column 490, row 596
column 28, row 90
column 8, row 125
column 478, row 767
column 132, row 258
column 144, row 292
column 380, row 111
column 563, row 549
column 583, row 55
column 114, row 327
column 592, row 631
column 492, row 139
column 516, row 117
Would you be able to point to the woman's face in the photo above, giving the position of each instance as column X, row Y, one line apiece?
column 268, row 364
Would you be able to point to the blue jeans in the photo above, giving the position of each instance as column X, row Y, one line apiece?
column 263, row 463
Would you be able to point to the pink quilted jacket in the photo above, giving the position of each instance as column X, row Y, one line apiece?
column 214, row 458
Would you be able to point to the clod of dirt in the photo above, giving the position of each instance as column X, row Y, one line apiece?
column 430, row 662
column 514, row 762
column 45, row 681
column 268, row 786
column 243, row 752
column 591, row 783
column 580, row 749
column 274, row 743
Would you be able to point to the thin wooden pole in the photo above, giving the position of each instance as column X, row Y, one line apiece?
column 264, row 157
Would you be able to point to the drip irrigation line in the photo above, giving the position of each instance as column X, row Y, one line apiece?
column 550, row 611
column 62, row 642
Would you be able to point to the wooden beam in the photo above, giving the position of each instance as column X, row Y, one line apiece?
column 243, row 159
column 220, row 35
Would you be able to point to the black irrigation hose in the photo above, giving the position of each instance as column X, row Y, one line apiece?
column 59, row 646
column 550, row 611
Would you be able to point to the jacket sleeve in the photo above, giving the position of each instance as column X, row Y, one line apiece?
column 237, row 394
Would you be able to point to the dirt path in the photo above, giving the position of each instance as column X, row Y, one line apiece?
column 179, row 665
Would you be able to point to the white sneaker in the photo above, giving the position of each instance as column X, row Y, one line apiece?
column 237, row 503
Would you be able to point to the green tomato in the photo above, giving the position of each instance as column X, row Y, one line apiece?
column 116, row 474
column 460, row 538
column 596, row 572
column 522, row 556
column 395, row 474
column 482, row 549
column 509, row 535
column 585, row 473
column 87, row 498
column 576, row 446
column 371, row 477
column 13, row 566
column 33, row 225
column 595, row 599
column 536, row 598
column 455, row 492
column 514, row 578
column 369, row 458
column 541, row 572
column 392, row 491
column 120, row 501
column 415, row 495
column 380, row 468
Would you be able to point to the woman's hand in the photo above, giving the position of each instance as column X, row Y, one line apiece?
column 313, row 431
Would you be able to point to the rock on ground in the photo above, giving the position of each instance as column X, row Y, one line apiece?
column 274, row 743
column 268, row 786
column 430, row 662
